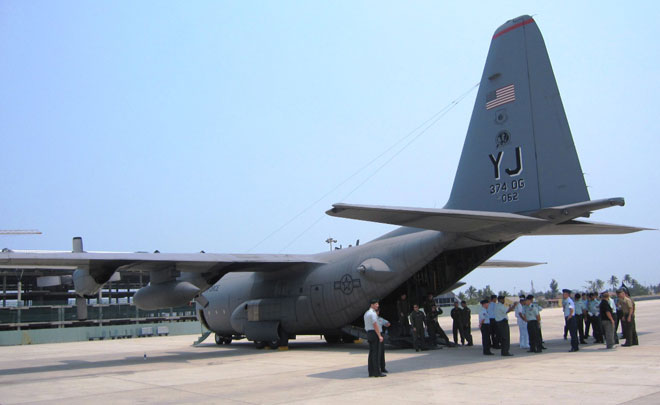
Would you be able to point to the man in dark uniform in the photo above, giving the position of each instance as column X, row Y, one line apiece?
column 429, row 303
column 432, row 325
column 466, row 319
column 457, row 323
column 417, row 321
column 403, row 309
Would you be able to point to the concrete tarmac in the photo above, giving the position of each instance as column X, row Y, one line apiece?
column 311, row 371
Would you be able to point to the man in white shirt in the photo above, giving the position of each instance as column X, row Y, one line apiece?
column 522, row 325
column 374, row 338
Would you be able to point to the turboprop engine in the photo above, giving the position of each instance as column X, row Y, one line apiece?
column 163, row 295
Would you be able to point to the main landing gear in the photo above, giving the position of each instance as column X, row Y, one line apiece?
column 222, row 340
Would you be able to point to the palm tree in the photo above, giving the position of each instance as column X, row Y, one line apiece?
column 627, row 279
column 599, row 284
column 614, row 281
column 471, row 291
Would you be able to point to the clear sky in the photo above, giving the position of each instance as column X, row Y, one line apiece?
column 183, row 126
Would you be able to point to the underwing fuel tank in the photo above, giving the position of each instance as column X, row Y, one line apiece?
column 163, row 295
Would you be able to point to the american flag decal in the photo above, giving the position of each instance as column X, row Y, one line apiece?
column 506, row 94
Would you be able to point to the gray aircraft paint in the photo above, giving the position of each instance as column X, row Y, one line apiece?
column 267, row 297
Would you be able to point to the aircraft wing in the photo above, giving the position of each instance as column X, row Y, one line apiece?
column 174, row 279
column 444, row 220
column 574, row 227
column 188, row 262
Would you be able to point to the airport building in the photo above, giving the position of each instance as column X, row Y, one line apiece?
column 38, row 307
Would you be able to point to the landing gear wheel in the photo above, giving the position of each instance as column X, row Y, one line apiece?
column 332, row 339
column 259, row 344
column 274, row 344
column 219, row 340
column 227, row 341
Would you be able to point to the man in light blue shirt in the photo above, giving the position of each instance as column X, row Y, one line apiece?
column 569, row 316
column 580, row 308
column 374, row 338
column 494, row 336
column 501, row 311
column 484, row 326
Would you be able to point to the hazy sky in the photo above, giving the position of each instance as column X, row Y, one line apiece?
column 183, row 126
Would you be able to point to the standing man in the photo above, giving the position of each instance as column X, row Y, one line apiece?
column 607, row 319
column 635, row 342
column 532, row 316
column 494, row 338
column 374, row 338
column 626, row 317
column 569, row 317
column 579, row 316
column 457, row 324
column 417, row 321
column 522, row 325
column 484, row 326
column 403, row 309
column 614, row 315
column 466, row 320
column 502, row 319
column 382, row 323
column 432, row 325
column 594, row 316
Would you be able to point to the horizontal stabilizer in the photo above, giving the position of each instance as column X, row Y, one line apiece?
column 444, row 220
column 587, row 228
column 509, row 264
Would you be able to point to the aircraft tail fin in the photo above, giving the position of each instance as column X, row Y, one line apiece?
column 519, row 154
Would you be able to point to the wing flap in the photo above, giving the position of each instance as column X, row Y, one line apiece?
column 587, row 228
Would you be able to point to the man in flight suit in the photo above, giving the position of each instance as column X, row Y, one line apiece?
column 457, row 323
column 466, row 320
column 417, row 320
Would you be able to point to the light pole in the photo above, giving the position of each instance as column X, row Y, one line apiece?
column 330, row 241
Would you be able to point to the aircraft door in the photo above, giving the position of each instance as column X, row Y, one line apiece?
column 316, row 295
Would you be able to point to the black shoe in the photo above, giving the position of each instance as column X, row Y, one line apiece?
column 538, row 351
column 544, row 348
column 470, row 344
column 583, row 342
column 564, row 337
column 507, row 354
column 489, row 354
column 573, row 350
column 381, row 375
column 626, row 345
column 384, row 371
column 416, row 350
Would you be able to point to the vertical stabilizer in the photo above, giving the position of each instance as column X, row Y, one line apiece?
column 519, row 154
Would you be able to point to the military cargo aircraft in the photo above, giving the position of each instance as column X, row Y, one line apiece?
column 518, row 175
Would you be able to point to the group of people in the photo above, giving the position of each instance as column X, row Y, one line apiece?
column 420, row 323
column 602, row 316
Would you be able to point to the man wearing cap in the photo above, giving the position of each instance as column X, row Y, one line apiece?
column 615, row 316
column 501, row 311
column 522, row 325
column 569, row 316
column 466, row 319
column 607, row 319
column 532, row 316
column 374, row 338
column 484, row 326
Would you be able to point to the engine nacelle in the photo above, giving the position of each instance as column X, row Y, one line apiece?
column 165, row 295
column 84, row 283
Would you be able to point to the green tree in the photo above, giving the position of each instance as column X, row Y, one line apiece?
column 487, row 292
column 614, row 281
column 471, row 292
column 504, row 293
column 554, row 288
column 599, row 285
column 627, row 279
